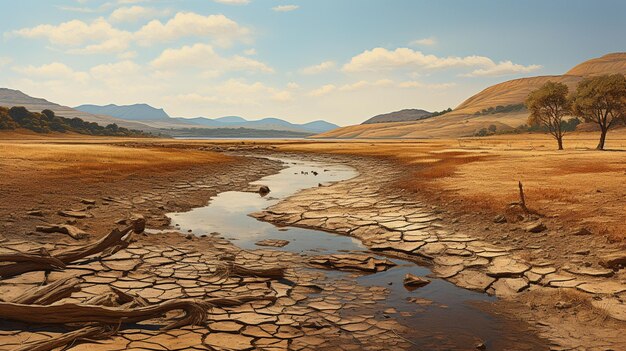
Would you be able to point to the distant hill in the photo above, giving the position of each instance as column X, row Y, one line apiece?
column 10, row 98
column 469, row 116
column 136, row 112
column 158, row 118
column 400, row 116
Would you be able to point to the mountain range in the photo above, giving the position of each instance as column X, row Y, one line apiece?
column 156, row 117
column 468, row 117
column 156, row 120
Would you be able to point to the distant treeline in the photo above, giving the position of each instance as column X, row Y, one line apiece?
column 439, row 113
column 500, row 109
column 567, row 126
column 234, row 133
column 47, row 121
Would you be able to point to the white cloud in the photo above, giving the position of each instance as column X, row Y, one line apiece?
column 285, row 8
column 322, row 67
column 282, row 96
column 380, row 59
column 220, row 28
column 5, row 61
column 424, row 42
column 127, row 55
column 364, row 84
column 233, row 92
column 435, row 86
column 326, row 89
column 126, row 2
column 233, row 2
column 98, row 36
column 250, row 52
column 135, row 14
column 501, row 69
column 54, row 70
column 204, row 57
column 293, row 85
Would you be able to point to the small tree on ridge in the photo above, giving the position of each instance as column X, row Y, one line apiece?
column 548, row 107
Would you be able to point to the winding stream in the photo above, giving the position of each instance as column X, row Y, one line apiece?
column 448, row 317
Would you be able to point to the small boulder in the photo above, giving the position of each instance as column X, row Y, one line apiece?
column 413, row 281
column 139, row 223
column 36, row 213
column 582, row 231
column 264, row 190
column 613, row 261
column 499, row 219
column 536, row 227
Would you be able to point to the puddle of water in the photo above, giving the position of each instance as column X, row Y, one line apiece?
column 450, row 321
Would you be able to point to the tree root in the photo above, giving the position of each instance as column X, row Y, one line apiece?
column 195, row 313
column 73, row 232
column 51, row 293
column 272, row 272
column 90, row 332
column 107, row 245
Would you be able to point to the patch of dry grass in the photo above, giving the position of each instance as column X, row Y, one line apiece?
column 580, row 185
column 93, row 162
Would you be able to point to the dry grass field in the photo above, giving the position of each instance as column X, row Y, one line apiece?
column 580, row 186
column 90, row 160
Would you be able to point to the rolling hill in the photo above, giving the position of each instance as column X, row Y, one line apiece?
column 463, row 121
column 10, row 98
column 158, row 118
column 400, row 116
column 136, row 112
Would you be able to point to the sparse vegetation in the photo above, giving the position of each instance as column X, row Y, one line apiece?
column 548, row 107
column 500, row 109
column 601, row 100
column 46, row 122
column 442, row 112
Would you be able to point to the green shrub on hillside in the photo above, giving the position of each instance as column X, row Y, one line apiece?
column 47, row 121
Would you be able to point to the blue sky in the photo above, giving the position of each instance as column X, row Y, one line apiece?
column 339, row 60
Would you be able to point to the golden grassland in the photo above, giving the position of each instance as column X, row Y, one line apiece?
column 580, row 185
column 92, row 160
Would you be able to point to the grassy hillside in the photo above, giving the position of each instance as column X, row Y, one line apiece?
column 464, row 120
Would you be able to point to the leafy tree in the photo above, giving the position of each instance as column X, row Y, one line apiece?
column 492, row 128
column 48, row 114
column 601, row 100
column 6, row 122
column 548, row 106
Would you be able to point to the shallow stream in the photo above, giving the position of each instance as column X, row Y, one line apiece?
column 448, row 317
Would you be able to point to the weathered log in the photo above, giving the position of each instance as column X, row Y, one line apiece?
column 195, row 311
column 74, row 232
column 109, row 244
column 43, row 258
column 91, row 332
column 51, row 293
column 272, row 272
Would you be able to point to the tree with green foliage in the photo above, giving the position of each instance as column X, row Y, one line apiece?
column 548, row 106
column 601, row 100
column 6, row 122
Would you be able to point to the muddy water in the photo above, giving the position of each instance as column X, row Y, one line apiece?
column 444, row 317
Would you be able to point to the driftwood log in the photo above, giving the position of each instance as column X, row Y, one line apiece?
column 51, row 293
column 72, row 231
column 195, row 311
column 108, row 245
column 90, row 332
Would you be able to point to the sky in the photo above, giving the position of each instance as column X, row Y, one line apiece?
column 338, row 60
